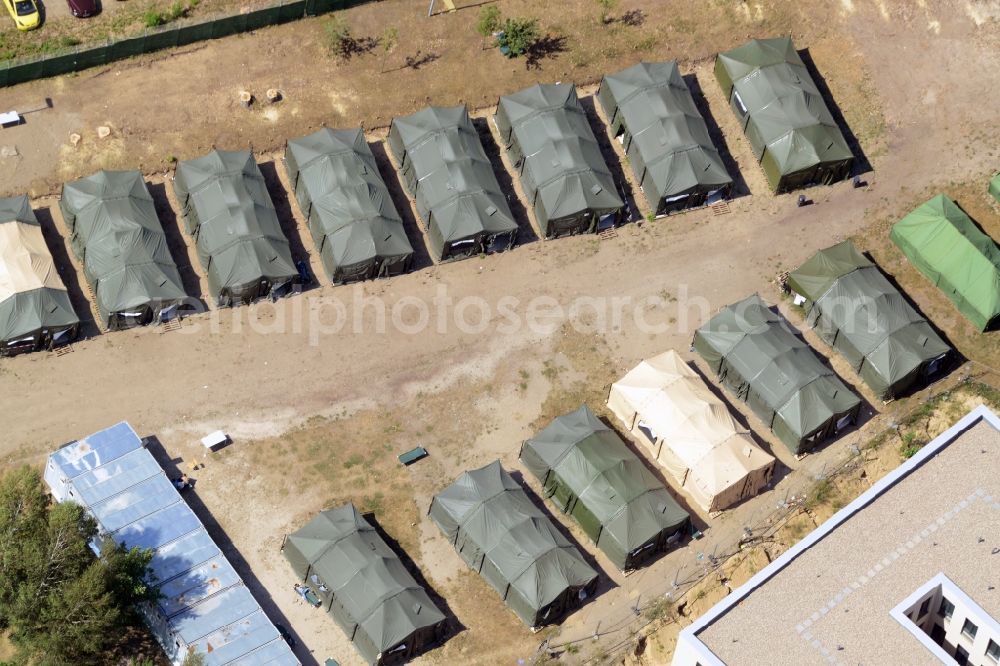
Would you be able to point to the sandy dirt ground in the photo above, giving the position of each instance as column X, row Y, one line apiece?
column 320, row 397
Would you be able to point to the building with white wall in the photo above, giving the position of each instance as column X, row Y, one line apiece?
column 908, row 573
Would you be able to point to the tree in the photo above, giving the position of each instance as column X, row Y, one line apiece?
column 339, row 38
column 489, row 21
column 520, row 34
column 194, row 659
column 58, row 602
column 389, row 40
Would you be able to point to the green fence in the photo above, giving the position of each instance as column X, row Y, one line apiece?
column 82, row 57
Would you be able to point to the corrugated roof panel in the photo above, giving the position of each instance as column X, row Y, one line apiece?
column 98, row 449
column 97, row 485
column 188, row 589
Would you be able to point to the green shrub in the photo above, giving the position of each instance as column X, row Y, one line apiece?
column 489, row 20
column 520, row 34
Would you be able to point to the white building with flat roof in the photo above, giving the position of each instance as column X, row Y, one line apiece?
column 908, row 573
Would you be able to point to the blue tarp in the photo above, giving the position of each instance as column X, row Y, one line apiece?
column 205, row 604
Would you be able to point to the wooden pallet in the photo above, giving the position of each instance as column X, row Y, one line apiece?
column 782, row 281
column 721, row 208
column 172, row 325
column 608, row 233
column 62, row 351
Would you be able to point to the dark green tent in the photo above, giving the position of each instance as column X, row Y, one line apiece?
column 229, row 213
column 994, row 187
column 116, row 234
column 35, row 310
column 791, row 131
column 856, row 310
column 502, row 535
column 364, row 586
column 558, row 160
column 951, row 251
column 589, row 473
column 761, row 361
column 650, row 108
column 351, row 216
column 443, row 165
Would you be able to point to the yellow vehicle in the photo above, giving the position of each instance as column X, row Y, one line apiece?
column 24, row 13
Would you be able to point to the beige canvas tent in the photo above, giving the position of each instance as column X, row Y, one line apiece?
column 690, row 432
column 35, row 310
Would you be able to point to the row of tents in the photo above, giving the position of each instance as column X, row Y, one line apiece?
column 496, row 528
column 229, row 213
column 759, row 357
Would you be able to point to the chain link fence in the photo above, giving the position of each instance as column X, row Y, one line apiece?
column 180, row 33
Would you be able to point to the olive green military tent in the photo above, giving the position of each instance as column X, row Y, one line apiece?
column 443, row 165
column 857, row 311
column 953, row 253
column 589, row 473
column 364, row 586
column 35, row 310
column 994, row 187
column 762, row 362
column 650, row 109
column 791, row 131
column 515, row 547
column 689, row 431
column 558, row 160
column 116, row 234
column 351, row 216
column 229, row 213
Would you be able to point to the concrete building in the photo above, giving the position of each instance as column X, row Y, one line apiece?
column 205, row 606
column 908, row 573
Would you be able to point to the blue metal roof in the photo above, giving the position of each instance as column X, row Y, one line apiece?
column 183, row 554
column 96, row 450
column 205, row 603
column 221, row 610
column 159, row 528
column 191, row 587
column 229, row 644
column 272, row 654
column 146, row 498
column 97, row 485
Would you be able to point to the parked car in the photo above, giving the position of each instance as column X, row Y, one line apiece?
column 83, row 8
column 24, row 13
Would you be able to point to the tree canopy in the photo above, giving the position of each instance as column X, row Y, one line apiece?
column 520, row 34
column 58, row 602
